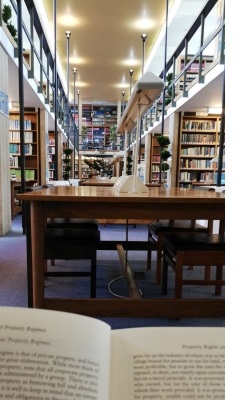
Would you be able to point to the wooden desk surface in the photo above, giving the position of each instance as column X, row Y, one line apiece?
column 97, row 202
column 97, row 193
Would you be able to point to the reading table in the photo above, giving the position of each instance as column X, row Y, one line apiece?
column 93, row 202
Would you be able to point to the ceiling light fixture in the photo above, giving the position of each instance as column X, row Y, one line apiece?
column 68, row 34
column 143, row 37
column 123, row 102
column 131, row 72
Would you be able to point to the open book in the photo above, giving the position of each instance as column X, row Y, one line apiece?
column 47, row 354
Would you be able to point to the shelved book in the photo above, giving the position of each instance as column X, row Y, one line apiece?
column 47, row 354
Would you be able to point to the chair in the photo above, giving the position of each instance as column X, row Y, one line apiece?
column 157, row 230
column 200, row 249
column 72, row 243
column 79, row 223
column 71, row 238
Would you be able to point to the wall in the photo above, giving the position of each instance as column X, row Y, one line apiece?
column 5, row 201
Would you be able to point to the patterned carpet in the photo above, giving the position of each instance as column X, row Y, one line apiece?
column 110, row 283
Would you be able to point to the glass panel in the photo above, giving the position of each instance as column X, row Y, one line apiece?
column 26, row 50
column 212, row 21
column 36, row 41
column 194, row 43
column 26, row 17
column 44, row 60
column 44, row 91
column 36, row 70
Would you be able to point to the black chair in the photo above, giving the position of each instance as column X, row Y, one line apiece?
column 72, row 243
column 70, row 238
column 157, row 231
column 200, row 249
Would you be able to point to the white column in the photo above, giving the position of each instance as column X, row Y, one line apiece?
column 5, row 193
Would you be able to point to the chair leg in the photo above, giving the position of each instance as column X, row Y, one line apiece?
column 219, row 273
column 164, row 275
column 179, row 274
column 93, row 275
column 45, row 268
column 149, row 252
column 159, row 260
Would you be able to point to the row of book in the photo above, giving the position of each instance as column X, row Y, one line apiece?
column 155, row 168
column 29, row 174
column 51, row 158
column 198, row 151
column 187, row 138
column 155, row 177
column 16, row 149
column 14, row 136
column 51, row 150
column 15, row 124
column 52, row 165
column 156, row 158
column 14, row 161
column 207, row 177
column 195, row 163
column 199, row 125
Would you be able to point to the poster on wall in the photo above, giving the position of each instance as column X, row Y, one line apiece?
column 141, row 172
column 4, row 103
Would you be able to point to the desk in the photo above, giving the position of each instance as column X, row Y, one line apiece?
column 93, row 202
column 97, row 182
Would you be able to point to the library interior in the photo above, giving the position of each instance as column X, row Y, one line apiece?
column 143, row 129
column 74, row 126
column 112, row 171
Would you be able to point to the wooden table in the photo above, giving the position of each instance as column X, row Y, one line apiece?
column 97, row 182
column 93, row 202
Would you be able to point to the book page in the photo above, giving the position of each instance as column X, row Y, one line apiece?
column 46, row 354
column 159, row 363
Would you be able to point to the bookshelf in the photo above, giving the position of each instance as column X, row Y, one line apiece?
column 51, row 156
column 97, row 121
column 84, row 169
column 31, row 146
column 192, row 73
column 198, row 148
column 154, row 160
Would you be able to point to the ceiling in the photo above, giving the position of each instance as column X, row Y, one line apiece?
column 105, row 43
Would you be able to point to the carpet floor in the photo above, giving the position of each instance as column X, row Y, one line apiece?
column 110, row 282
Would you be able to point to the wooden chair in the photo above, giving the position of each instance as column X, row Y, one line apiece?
column 157, row 230
column 200, row 249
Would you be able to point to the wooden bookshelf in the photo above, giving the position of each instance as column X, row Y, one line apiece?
column 51, row 156
column 154, row 160
column 198, row 146
column 31, row 137
column 97, row 120
column 84, row 169
column 192, row 73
